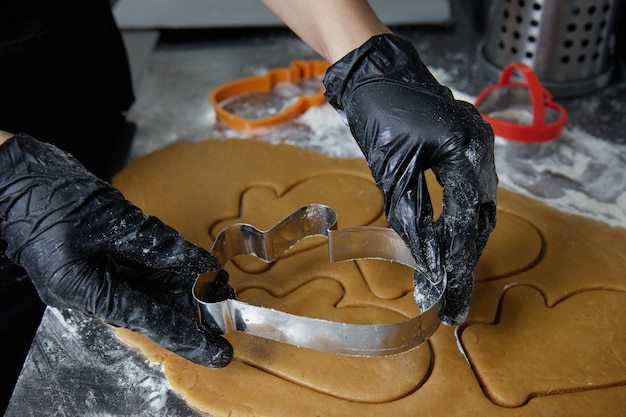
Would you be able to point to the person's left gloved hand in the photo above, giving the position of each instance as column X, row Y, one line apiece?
column 86, row 247
column 406, row 123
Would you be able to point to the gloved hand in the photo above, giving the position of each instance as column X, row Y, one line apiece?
column 86, row 247
column 406, row 123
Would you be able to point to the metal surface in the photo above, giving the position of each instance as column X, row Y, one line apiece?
column 569, row 43
column 323, row 335
column 77, row 367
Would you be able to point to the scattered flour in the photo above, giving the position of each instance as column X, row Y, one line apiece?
column 114, row 380
column 577, row 173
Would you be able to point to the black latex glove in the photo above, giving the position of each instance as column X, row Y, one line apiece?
column 406, row 123
column 86, row 247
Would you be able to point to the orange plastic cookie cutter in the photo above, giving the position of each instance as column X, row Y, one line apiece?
column 297, row 71
column 502, row 105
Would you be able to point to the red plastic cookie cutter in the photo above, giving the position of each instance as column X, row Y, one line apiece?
column 297, row 71
column 503, row 105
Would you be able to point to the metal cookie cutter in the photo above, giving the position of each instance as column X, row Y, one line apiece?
column 297, row 71
column 322, row 335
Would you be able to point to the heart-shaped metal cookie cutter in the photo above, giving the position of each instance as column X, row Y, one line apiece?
column 322, row 335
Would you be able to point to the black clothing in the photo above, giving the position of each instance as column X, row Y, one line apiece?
column 64, row 77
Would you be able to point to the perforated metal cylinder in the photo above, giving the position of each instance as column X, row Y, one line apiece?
column 569, row 44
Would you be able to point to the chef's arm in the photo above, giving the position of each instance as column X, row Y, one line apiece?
column 4, row 136
column 406, row 123
column 331, row 27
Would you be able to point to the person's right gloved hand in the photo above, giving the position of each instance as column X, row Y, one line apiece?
column 406, row 123
column 86, row 247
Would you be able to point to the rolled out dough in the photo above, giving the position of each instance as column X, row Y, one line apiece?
column 546, row 333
